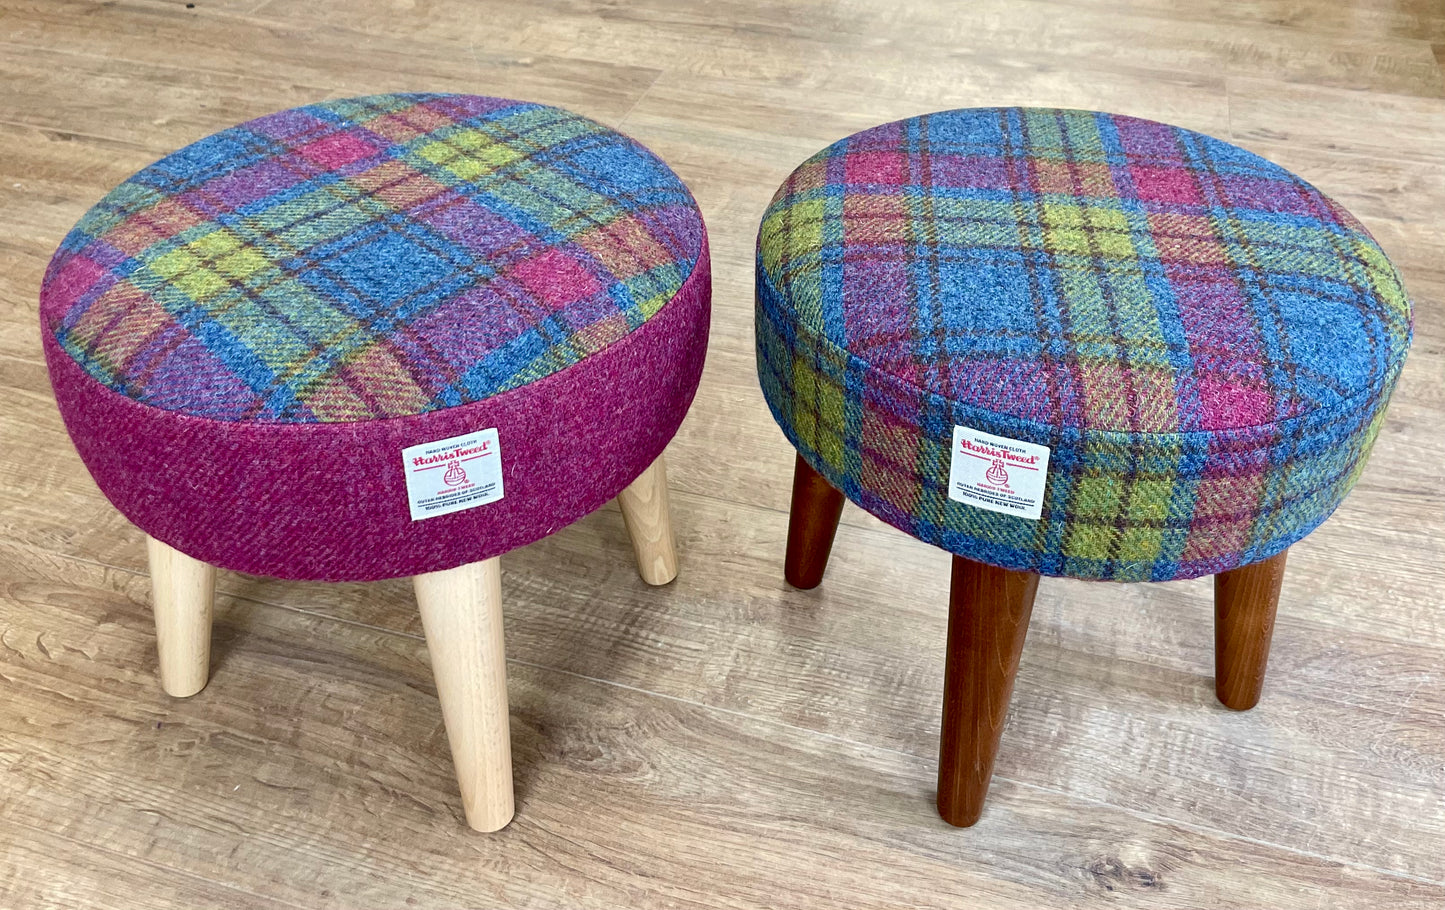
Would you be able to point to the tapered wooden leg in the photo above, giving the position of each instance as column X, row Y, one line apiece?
column 648, row 516
column 988, row 617
column 1244, row 605
column 812, row 524
column 461, row 613
column 183, row 591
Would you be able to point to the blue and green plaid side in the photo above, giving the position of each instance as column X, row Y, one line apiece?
column 1205, row 342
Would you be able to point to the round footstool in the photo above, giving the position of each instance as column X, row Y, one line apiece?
column 388, row 336
column 1068, row 343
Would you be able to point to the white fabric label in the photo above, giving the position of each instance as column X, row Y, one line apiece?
column 997, row 473
column 451, row 475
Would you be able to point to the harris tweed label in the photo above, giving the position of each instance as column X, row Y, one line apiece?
column 451, row 475
column 997, row 473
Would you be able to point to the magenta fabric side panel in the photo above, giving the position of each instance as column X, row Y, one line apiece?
column 328, row 501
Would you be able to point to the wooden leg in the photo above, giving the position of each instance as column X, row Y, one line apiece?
column 1244, row 604
column 183, row 591
column 461, row 613
column 988, row 617
column 812, row 524
column 648, row 517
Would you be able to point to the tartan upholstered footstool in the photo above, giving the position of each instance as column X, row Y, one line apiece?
column 381, row 337
column 1069, row 343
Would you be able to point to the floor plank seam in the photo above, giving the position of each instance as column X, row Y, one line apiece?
column 176, row 67
column 73, row 134
column 1240, row 838
column 621, row 123
column 175, row 870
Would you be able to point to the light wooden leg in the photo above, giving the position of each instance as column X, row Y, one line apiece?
column 183, row 591
column 649, row 523
column 461, row 613
column 1245, row 600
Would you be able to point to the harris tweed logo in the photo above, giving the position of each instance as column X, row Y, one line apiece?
column 997, row 473
column 1009, row 450
column 446, row 454
column 454, row 475
column 451, row 475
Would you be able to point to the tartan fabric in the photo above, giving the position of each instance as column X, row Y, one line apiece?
column 1205, row 342
column 370, row 258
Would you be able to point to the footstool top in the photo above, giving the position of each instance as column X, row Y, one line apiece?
column 379, row 337
column 1085, row 270
column 370, row 258
column 1075, row 343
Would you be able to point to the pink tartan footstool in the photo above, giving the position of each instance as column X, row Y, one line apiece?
column 379, row 337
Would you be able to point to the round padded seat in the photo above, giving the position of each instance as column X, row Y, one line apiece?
column 1203, row 342
column 246, row 336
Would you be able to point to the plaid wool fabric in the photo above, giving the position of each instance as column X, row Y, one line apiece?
column 370, row 258
column 1205, row 342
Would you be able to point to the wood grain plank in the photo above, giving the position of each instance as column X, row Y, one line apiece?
column 1416, row 20
column 43, row 871
column 1368, row 124
column 721, row 36
column 318, row 736
column 184, row 105
column 346, row 62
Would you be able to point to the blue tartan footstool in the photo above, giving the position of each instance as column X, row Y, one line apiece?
column 1068, row 343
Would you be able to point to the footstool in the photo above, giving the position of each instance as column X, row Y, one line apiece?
column 1067, row 343
column 380, row 337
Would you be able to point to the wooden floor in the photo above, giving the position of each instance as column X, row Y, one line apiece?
column 725, row 741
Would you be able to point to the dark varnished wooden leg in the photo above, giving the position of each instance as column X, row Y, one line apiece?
column 812, row 523
column 988, row 616
column 1244, row 603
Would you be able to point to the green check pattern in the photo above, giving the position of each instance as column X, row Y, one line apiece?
column 1205, row 342
column 369, row 258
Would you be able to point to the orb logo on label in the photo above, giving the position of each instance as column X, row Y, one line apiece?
column 996, row 473
column 454, row 475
